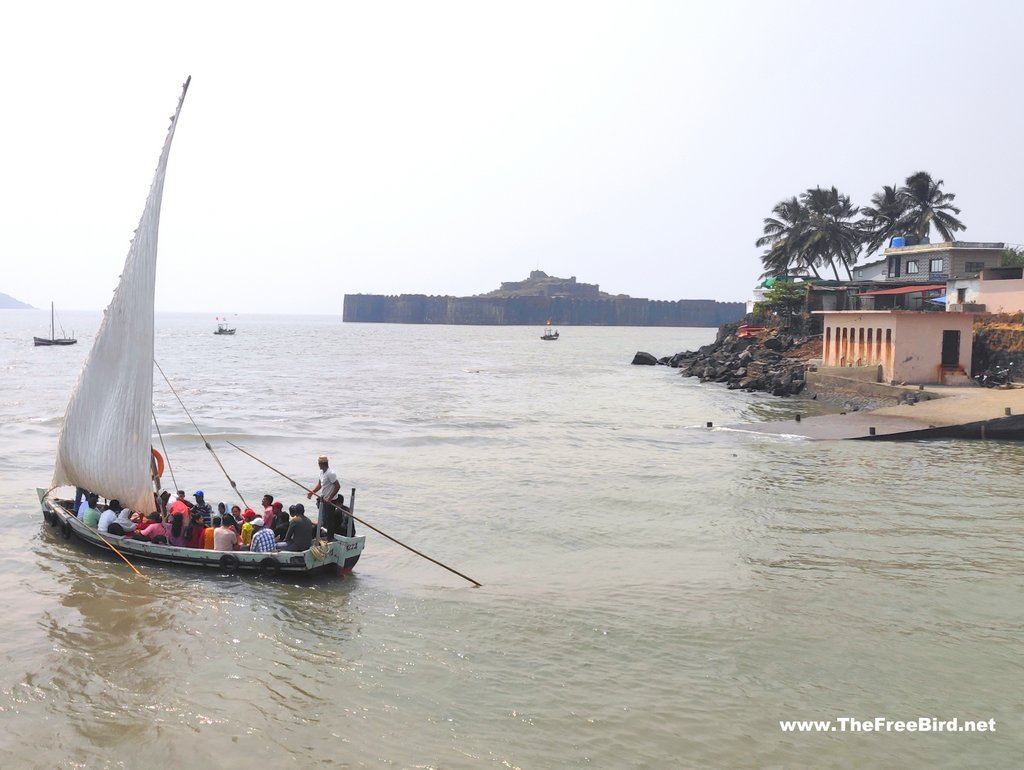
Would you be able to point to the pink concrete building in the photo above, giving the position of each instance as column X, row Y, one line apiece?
column 997, row 290
column 908, row 346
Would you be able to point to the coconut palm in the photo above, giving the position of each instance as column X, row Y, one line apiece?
column 925, row 205
column 831, row 234
column 783, row 234
column 883, row 218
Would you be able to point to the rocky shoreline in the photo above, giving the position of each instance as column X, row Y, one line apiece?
column 778, row 362
column 742, row 363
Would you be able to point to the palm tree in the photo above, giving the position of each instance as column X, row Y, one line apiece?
column 831, row 234
column 883, row 218
column 783, row 234
column 925, row 205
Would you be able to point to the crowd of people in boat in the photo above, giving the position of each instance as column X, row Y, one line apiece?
column 189, row 524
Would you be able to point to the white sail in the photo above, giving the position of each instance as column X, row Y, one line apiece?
column 105, row 442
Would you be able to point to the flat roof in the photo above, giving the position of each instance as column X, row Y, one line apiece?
column 904, row 290
column 944, row 246
column 897, row 312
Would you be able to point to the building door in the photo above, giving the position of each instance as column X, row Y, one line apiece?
column 950, row 348
column 894, row 266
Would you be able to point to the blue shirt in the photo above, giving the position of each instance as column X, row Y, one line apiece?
column 264, row 541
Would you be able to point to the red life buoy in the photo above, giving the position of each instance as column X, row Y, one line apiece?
column 158, row 458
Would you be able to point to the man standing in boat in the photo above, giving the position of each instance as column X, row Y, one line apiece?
column 327, row 487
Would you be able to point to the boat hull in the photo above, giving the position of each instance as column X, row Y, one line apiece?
column 338, row 557
column 46, row 341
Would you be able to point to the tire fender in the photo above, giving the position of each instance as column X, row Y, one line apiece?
column 270, row 567
column 229, row 563
column 65, row 529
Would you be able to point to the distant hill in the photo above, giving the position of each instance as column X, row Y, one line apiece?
column 10, row 303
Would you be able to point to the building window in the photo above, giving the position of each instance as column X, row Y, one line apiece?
column 935, row 265
column 974, row 267
column 911, row 267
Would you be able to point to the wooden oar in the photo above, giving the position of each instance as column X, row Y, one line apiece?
column 379, row 532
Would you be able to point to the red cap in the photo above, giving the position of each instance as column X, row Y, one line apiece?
column 279, row 505
column 249, row 514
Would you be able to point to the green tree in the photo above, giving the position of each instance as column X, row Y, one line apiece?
column 832, row 236
column 883, row 218
column 1013, row 256
column 783, row 233
column 925, row 205
column 787, row 298
column 812, row 231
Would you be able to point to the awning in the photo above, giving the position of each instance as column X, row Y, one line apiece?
column 904, row 290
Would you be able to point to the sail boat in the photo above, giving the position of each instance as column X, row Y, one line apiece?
column 54, row 339
column 105, row 444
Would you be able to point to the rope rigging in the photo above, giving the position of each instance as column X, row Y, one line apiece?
column 206, row 443
column 167, row 457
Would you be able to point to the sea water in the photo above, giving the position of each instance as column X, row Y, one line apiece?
column 656, row 593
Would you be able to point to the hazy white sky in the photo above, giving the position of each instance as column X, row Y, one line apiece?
column 444, row 147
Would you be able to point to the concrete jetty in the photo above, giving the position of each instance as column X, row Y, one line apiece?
column 949, row 412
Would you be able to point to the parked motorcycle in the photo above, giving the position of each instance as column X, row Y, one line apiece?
column 993, row 378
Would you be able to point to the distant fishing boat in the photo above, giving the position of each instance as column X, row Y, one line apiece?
column 105, row 444
column 54, row 339
column 223, row 328
column 548, row 334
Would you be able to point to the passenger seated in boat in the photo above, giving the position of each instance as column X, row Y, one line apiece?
column 195, row 530
column 208, row 532
column 203, row 507
column 161, row 502
column 176, row 532
column 281, row 521
column 179, row 505
column 262, row 539
column 108, row 519
column 272, row 520
column 90, row 514
column 154, row 531
column 126, row 521
column 225, row 538
column 300, row 531
column 247, row 519
column 267, row 502
column 81, row 501
column 339, row 520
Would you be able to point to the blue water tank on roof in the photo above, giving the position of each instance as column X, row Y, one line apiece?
column 898, row 242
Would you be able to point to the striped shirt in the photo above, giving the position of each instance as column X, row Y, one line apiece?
column 263, row 541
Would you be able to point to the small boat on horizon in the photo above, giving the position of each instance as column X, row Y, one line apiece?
column 54, row 339
column 548, row 334
column 223, row 328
